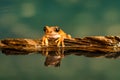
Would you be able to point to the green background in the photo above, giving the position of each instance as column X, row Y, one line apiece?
column 80, row 18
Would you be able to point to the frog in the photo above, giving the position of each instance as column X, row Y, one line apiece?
column 54, row 32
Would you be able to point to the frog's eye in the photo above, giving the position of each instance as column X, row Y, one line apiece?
column 57, row 29
column 44, row 28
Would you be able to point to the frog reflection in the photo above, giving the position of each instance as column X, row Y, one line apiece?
column 53, row 58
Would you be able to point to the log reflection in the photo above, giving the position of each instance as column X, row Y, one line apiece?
column 53, row 58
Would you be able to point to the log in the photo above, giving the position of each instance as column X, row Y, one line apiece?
column 92, row 46
column 92, row 43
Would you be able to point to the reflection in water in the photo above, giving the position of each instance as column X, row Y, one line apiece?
column 53, row 58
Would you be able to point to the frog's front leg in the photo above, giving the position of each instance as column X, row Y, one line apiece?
column 45, row 41
column 60, row 41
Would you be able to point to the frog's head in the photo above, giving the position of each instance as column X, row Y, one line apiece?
column 52, row 31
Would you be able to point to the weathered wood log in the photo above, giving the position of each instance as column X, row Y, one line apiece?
column 92, row 44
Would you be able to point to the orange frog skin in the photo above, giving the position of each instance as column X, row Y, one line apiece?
column 54, row 32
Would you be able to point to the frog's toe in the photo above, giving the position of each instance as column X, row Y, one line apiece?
column 60, row 43
column 44, row 43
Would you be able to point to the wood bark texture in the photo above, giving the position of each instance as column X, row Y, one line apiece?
column 105, row 44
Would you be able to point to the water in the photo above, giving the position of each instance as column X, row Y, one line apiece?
column 80, row 18
column 31, row 66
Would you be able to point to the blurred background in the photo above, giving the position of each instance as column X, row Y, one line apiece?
column 80, row 18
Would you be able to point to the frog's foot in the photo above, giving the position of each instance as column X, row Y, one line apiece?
column 44, row 41
column 60, row 41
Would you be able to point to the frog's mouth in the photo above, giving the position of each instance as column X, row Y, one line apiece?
column 53, row 35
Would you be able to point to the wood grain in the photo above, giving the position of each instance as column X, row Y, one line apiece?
column 105, row 44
